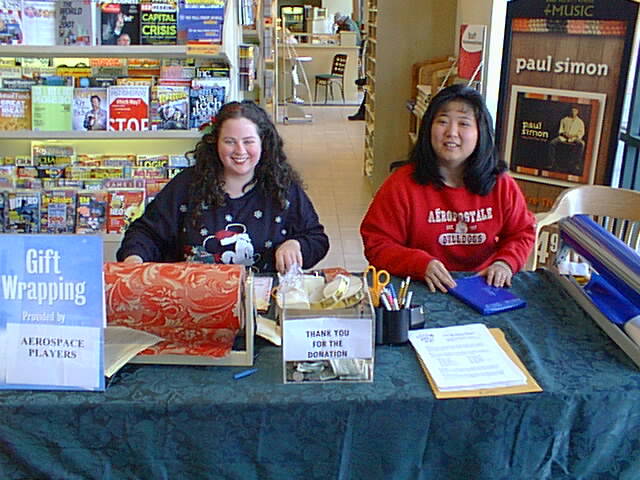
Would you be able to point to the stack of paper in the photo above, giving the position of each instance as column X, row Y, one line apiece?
column 465, row 357
column 121, row 344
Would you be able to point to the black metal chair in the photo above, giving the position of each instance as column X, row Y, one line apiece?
column 328, row 79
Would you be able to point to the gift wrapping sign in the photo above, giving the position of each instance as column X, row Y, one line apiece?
column 52, row 314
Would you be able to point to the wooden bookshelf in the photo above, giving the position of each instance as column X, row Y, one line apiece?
column 268, row 71
column 398, row 38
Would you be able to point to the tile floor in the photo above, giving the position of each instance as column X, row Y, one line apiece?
column 328, row 153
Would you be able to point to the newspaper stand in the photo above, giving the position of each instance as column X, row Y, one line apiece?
column 321, row 345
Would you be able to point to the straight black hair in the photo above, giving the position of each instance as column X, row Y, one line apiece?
column 482, row 167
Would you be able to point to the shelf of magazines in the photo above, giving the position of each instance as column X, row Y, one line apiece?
column 101, row 134
column 131, row 51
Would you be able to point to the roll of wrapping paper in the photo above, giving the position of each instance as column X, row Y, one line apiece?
column 196, row 308
column 618, row 264
column 613, row 305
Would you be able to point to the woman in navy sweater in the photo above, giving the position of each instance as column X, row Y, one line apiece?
column 241, row 203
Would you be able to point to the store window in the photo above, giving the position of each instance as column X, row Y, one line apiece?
column 629, row 174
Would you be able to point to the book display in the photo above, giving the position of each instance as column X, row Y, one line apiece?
column 61, row 192
column 90, row 115
column 62, row 88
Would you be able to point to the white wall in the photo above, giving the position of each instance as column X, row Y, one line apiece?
column 343, row 6
column 491, row 13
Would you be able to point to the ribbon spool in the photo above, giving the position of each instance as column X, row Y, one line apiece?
column 343, row 291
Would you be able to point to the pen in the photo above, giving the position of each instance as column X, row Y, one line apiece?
column 385, row 301
column 391, row 296
column 392, row 290
column 401, row 292
column 407, row 304
column 244, row 373
column 407, row 282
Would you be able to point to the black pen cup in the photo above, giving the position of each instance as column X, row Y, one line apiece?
column 396, row 326
column 379, row 312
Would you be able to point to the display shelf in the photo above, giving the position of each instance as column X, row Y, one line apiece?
column 112, row 51
column 100, row 135
column 267, row 26
column 370, row 73
column 148, row 142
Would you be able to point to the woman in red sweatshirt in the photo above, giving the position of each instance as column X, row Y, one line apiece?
column 453, row 207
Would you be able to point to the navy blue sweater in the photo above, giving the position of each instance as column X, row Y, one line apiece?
column 246, row 230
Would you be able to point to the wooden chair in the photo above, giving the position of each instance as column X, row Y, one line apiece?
column 615, row 209
column 336, row 76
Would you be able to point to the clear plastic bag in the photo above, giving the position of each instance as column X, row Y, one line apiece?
column 291, row 292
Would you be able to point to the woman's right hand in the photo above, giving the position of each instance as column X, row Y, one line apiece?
column 133, row 259
column 438, row 277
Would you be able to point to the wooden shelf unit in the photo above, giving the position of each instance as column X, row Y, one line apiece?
column 398, row 38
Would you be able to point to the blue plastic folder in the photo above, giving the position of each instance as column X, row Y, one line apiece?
column 486, row 299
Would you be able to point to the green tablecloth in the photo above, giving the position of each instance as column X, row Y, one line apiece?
column 175, row 422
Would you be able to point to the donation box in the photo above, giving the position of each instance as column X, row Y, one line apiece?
column 333, row 339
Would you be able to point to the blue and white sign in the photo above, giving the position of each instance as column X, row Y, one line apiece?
column 52, row 312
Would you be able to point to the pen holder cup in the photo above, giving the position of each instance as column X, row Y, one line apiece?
column 379, row 312
column 396, row 326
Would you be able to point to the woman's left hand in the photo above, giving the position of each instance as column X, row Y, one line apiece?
column 287, row 254
column 498, row 274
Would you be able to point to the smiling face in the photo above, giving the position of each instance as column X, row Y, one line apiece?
column 454, row 134
column 239, row 149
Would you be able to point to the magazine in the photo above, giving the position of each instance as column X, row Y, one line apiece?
column 128, row 107
column 169, row 108
column 90, row 109
column 75, row 22
column 120, row 23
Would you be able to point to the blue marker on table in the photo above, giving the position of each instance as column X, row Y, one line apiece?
column 245, row 373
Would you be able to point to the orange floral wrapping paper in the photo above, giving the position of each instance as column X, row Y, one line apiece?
column 195, row 307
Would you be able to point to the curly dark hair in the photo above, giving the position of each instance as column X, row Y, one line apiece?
column 273, row 174
column 482, row 167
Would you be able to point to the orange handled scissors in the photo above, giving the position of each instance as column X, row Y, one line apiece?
column 379, row 280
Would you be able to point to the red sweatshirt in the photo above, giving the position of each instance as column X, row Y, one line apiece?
column 408, row 225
